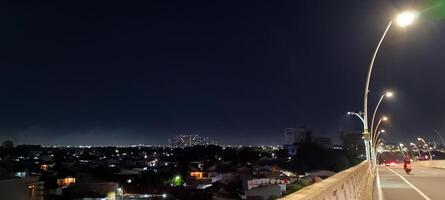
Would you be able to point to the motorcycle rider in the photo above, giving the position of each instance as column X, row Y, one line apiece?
column 407, row 164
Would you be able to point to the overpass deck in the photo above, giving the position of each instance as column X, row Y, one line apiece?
column 423, row 183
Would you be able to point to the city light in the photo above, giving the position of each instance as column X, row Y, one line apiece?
column 177, row 181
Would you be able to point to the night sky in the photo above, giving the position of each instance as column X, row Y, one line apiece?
column 124, row 72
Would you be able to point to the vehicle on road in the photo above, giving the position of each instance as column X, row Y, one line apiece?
column 391, row 163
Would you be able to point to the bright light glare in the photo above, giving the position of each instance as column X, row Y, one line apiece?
column 389, row 94
column 383, row 130
column 406, row 18
column 384, row 118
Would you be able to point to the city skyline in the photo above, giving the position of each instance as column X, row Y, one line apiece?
column 142, row 73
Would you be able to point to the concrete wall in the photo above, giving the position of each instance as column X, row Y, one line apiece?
column 351, row 184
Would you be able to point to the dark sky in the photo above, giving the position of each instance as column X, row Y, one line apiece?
column 124, row 72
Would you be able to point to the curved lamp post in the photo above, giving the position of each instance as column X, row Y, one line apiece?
column 418, row 151
column 360, row 115
column 403, row 20
column 427, row 146
column 373, row 139
column 376, row 138
column 401, row 149
column 387, row 94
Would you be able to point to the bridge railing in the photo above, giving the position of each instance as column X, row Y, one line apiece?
column 351, row 184
column 430, row 163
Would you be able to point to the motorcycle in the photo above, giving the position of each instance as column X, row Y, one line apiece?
column 407, row 168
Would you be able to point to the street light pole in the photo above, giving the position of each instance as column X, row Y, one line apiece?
column 386, row 94
column 365, row 97
column 376, row 138
column 427, row 146
column 403, row 19
column 374, row 141
column 418, row 151
column 401, row 149
column 360, row 116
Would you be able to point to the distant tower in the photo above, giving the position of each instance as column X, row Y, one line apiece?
column 295, row 135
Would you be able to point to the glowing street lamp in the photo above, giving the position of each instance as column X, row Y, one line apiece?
column 373, row 139
column 376, row 138
column 377, row 143
column 387, row 94
column 361, row 115
column 383, row 119
column 406, row 18
column 403, row 20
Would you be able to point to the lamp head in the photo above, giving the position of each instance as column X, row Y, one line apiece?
column 406, row 18
column 384, row 118
column 389, row 94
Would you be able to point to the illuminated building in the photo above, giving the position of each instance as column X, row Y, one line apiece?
column 44, row 167
column 66, row 181
column 197, row 175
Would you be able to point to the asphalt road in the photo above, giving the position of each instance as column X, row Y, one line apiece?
column 421, row 184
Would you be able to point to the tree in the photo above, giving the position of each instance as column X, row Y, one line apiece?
column 312, row 156
column 7, row 144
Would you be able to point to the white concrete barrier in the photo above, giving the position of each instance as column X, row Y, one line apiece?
column 430, row 163
column 352, row 184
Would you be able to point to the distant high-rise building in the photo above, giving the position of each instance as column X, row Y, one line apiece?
column 190, row 140
column 323, row 141
column 353, row 141
column 295, row 135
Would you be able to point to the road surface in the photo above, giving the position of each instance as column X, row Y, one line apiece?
column 422, row 184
